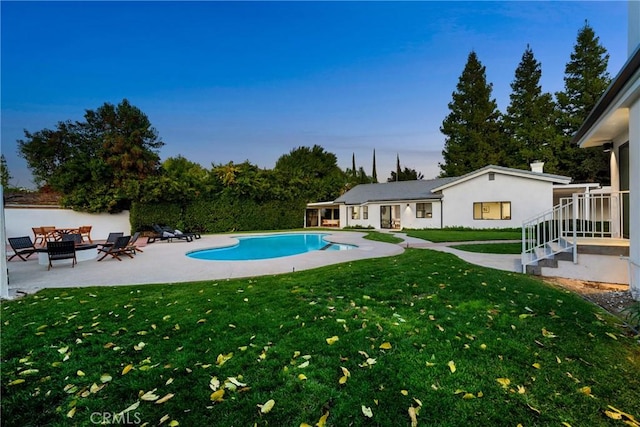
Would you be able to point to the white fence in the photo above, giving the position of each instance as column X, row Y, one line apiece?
column 19, row 221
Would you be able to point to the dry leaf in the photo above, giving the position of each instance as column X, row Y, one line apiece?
column 323, row 420
column 217, row 395
column 404, row 392
column 222, row 358
column 16, row 382
column 150, row 396
column 468, row 396
column 105, row 378
column 452, row 366
column 413, row 416
column 332, row 340
column 536, row 365
column 385, row 346
column 303, row 364
column 302, row 377
column 268, row 405
column 504, row 382
column 71, row 413
column 367, row 411
column 586, row 390
column 127, row 369
column 165, row 398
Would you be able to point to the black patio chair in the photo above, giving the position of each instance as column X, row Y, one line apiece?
column 117, row 249
column 111, row 239
column 61, row 250
column 76, row 238
column 22, row 246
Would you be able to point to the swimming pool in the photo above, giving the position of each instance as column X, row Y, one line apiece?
column 271, row 246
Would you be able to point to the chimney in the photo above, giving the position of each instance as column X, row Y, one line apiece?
column 537, row 166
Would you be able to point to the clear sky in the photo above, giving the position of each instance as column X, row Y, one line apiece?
column 235, row 81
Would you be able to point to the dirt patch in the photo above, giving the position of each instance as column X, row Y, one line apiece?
column 612, row 297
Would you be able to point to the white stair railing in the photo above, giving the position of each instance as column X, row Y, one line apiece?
column 594, row 216
column 548, row 234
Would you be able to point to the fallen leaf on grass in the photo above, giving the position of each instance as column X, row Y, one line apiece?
column 105, row 378
column 323, row 420
column 452, row 366
column 127, row 369
column 217, row 395
column 332, row 340
column 222, row 358
column 536, row 365
column 71, row 412
column 586, row 390
column 367, row 411
column 385, row 346
column 267, row 407
column 504, row 382
column 150, row 396
column 302, row 377
column 16, row 382
column 413, row 416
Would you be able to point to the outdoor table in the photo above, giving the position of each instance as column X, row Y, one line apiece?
column 84, row 252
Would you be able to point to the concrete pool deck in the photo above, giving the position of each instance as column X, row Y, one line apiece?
column 166, row 262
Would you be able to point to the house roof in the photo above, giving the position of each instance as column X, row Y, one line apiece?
column 505, row 171
column 400, row 190
column 610, row 115
column 429, row 189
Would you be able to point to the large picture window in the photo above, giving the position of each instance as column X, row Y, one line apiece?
column 365, row 212
column 492, row 210
column 424, row 210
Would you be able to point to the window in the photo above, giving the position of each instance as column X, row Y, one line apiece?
column 355, row 212
column 424, row 210
column 492, row 176
column 492, row 210
column 365, row 212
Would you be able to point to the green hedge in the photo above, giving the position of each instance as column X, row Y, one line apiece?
column 220, row 215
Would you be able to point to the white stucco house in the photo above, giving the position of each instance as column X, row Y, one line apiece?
column 490, row 197
column 614, row 125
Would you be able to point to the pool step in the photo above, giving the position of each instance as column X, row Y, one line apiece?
column 324, row 248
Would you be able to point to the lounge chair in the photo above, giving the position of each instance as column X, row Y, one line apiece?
column 166, row 233
column 117, row 249
column 22, row 246
column 61, row 250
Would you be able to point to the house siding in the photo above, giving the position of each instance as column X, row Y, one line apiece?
column 407, row 215
column 527, row 196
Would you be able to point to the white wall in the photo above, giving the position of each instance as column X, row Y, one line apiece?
column 528, row 197
column 19, row 221
column 407, row 215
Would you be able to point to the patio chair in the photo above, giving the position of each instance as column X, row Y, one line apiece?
column 76, row 238
column 117, row 249
column 61, row 250
column 38, row 235
column 132, row 247
column 111, row 239
column 49, row 232
column 22, row 246
column 177, row 232
column 85, row 231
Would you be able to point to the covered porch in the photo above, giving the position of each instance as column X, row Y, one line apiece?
column 322, row 214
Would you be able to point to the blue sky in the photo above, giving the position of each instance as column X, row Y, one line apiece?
column 235, row 81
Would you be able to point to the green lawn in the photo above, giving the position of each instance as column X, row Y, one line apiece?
column 372, row 342
column 466, row 235
column 491, row 248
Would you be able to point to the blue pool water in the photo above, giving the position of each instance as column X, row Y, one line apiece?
column 272, row 246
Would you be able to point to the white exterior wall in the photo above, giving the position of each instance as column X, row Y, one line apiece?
column 19, row 221
column 407, row 215
column 528, row 197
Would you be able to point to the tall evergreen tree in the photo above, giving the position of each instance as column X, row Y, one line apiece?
column 354, row 172
column 529, row 122
column 398, row 168
column 472, row 129
column 374, row 173
column 586, row 78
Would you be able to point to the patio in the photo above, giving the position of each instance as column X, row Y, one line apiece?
column 164, row 262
